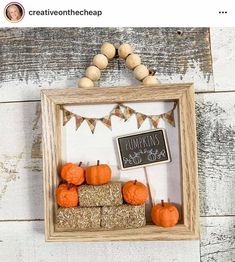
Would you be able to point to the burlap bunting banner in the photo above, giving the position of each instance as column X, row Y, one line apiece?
column 117, row 111
column 91, row 123
column 155, row 120
column 66, row 116
column 106, row 120
column 169, row 117
column 79, row 120
column 140, row 119
column 128, row 112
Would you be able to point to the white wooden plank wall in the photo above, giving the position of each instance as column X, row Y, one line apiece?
column 21, row 201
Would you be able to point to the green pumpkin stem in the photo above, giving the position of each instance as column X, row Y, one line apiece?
column 98, row 162
column 162, row 203
column 80, row 163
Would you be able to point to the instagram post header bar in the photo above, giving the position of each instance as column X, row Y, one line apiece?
column 25, row 13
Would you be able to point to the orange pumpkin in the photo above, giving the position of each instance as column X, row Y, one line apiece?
column 135, row 193
column 164, row 214
column 73, row 173
column 98, row 174
column 67, row 195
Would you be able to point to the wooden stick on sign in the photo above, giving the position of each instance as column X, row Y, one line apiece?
column 149, row 186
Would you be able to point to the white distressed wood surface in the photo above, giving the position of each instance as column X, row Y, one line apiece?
column 223, row 57
column 24, row 242
column 218, row 239
column 33, row 58
column 216, row 153
column 20, row 161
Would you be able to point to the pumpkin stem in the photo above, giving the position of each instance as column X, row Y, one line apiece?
column 135, row 182
column 70, row 185
column 80, row 163
column 98, row 162
column 62, row 182
column 162, row 203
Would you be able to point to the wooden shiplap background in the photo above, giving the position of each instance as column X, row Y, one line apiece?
column 35, row 58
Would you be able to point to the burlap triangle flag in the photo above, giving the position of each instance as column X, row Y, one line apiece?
column 92, row 124
column 155, row 120
column 117, row 112
column 106, row 120
column 128, row 112
column 140, row 119
column 169, row 117
column 79, row 120
column 66, row 116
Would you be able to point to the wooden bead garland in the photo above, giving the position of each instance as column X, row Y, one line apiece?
column 132, row 61
column 100, row 61
column 150, row 80
column 108, row 52
column 140, row 72
column 124, row 50
column 85, row 82
column 93, row 73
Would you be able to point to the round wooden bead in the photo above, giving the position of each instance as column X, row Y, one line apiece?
column 85, row 82
column 140, row 72
column 150, row 80
column 100, row 61
column 108, row 50
column 93, row 73
column 132, row 61
column 124, row 50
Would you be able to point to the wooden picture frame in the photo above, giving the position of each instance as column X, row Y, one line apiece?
column 183, row 94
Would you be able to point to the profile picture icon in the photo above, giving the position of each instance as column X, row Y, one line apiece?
column 14, row 12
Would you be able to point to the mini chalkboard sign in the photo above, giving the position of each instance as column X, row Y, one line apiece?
column 143, row 149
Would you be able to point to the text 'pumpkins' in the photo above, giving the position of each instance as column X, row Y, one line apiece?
column 98, row 174
column 67, row 195
column 164, row 214
column 135, row 193
column 73, row 173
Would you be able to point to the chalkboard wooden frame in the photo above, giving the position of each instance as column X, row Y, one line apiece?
column 138, row 165
column 183, row 94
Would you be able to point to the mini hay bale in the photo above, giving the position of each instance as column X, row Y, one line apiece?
column 124, row 216
column 104, row 195
column 78, row 218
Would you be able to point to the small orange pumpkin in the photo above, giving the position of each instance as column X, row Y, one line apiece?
column 98, row 174
column 67, row 195
column 73, row 173
column 135, row 193
column 164, row 214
